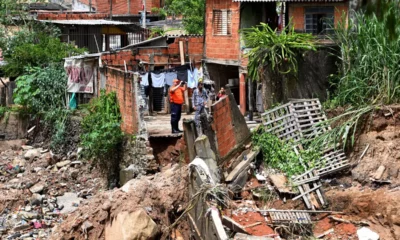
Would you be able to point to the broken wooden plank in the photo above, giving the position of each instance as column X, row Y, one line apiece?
column 242, row 166
column 233, row 225
column 281, row 183
column 309, row 191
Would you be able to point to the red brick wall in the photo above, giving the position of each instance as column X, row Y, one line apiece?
column 71, row 16
column 162, row 56
column 122, row 84
column 223, row 127
column 121, row 6
column 296, row 12
column 222, row 47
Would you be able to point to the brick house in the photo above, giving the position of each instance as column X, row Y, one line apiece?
column 118, row 70
column 224, row 49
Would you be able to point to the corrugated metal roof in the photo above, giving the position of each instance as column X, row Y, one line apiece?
column 288, row 0
column 87, row 22
column 143, row 42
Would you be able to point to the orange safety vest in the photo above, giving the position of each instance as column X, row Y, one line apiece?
column 177, row 96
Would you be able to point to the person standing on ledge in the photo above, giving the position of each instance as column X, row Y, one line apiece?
column 199, row 101
column 176, row 94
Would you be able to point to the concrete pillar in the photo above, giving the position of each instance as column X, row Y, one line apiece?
column 242, row 92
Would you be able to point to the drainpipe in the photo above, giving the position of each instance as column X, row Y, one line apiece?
column 90, row 6
column 129, row 7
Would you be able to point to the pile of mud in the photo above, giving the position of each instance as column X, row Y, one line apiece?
column 163, row 196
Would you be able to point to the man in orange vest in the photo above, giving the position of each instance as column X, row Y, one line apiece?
column 176, row 94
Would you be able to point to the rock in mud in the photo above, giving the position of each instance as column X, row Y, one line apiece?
column 32, row 153
column 130, row 226
column 63, row 163
column 37, row 188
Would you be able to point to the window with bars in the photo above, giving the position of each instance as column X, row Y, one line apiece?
column 222, row 22
column 319, row 20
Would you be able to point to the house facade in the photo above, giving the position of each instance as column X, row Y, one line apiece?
column 224, row 52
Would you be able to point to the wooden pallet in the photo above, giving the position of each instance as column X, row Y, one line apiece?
column 281, row 122
column 303, row 118
column 309, row 117
column 333, row 160
column 309, row 186
column 282, row 217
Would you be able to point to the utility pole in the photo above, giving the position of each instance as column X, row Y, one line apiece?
column 111, row 9
column 144, row 14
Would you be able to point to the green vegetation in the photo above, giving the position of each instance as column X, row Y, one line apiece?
column 102, row 137
column 370, row 62
column 36, row 45
column 275, row 50
column 282, row 156
column 42, row 89
column 369, row 75
column 192, row 12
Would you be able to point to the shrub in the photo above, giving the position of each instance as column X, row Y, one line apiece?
column 101, row 136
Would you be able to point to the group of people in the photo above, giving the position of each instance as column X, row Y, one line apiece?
column 199, row 102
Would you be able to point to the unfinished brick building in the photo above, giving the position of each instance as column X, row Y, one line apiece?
column 224, row 51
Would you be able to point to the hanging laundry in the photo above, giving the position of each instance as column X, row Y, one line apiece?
column 169, row 77
column 145, row 79
column 196, row 76
column 158, row 80
column 191, row 81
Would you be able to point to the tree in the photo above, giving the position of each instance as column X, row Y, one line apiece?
column 192, row 12
column 34, row 45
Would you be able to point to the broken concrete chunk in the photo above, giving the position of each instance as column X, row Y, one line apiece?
column 130, row 226
column 63, row 163
column 70, row 201
column 379, row 172
column 32, row 153
column 367, row 234
column 37, row 188
column 203, row 148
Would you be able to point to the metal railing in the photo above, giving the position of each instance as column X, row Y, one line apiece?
column 105, row 42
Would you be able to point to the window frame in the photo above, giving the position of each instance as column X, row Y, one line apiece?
column 227, row 21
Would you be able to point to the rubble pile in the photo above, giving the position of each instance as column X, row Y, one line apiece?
column 143, row 208
column 39, row 189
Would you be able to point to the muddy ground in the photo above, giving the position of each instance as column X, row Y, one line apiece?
column 367, row 194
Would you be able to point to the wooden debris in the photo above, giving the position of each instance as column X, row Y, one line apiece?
column 281, row 183
column 310, row 191
column 341, row 220
column 364, row 152
column 242, row 166
column 232, row 225
column 326, row 233
column 290, row 217
column 252, row 225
